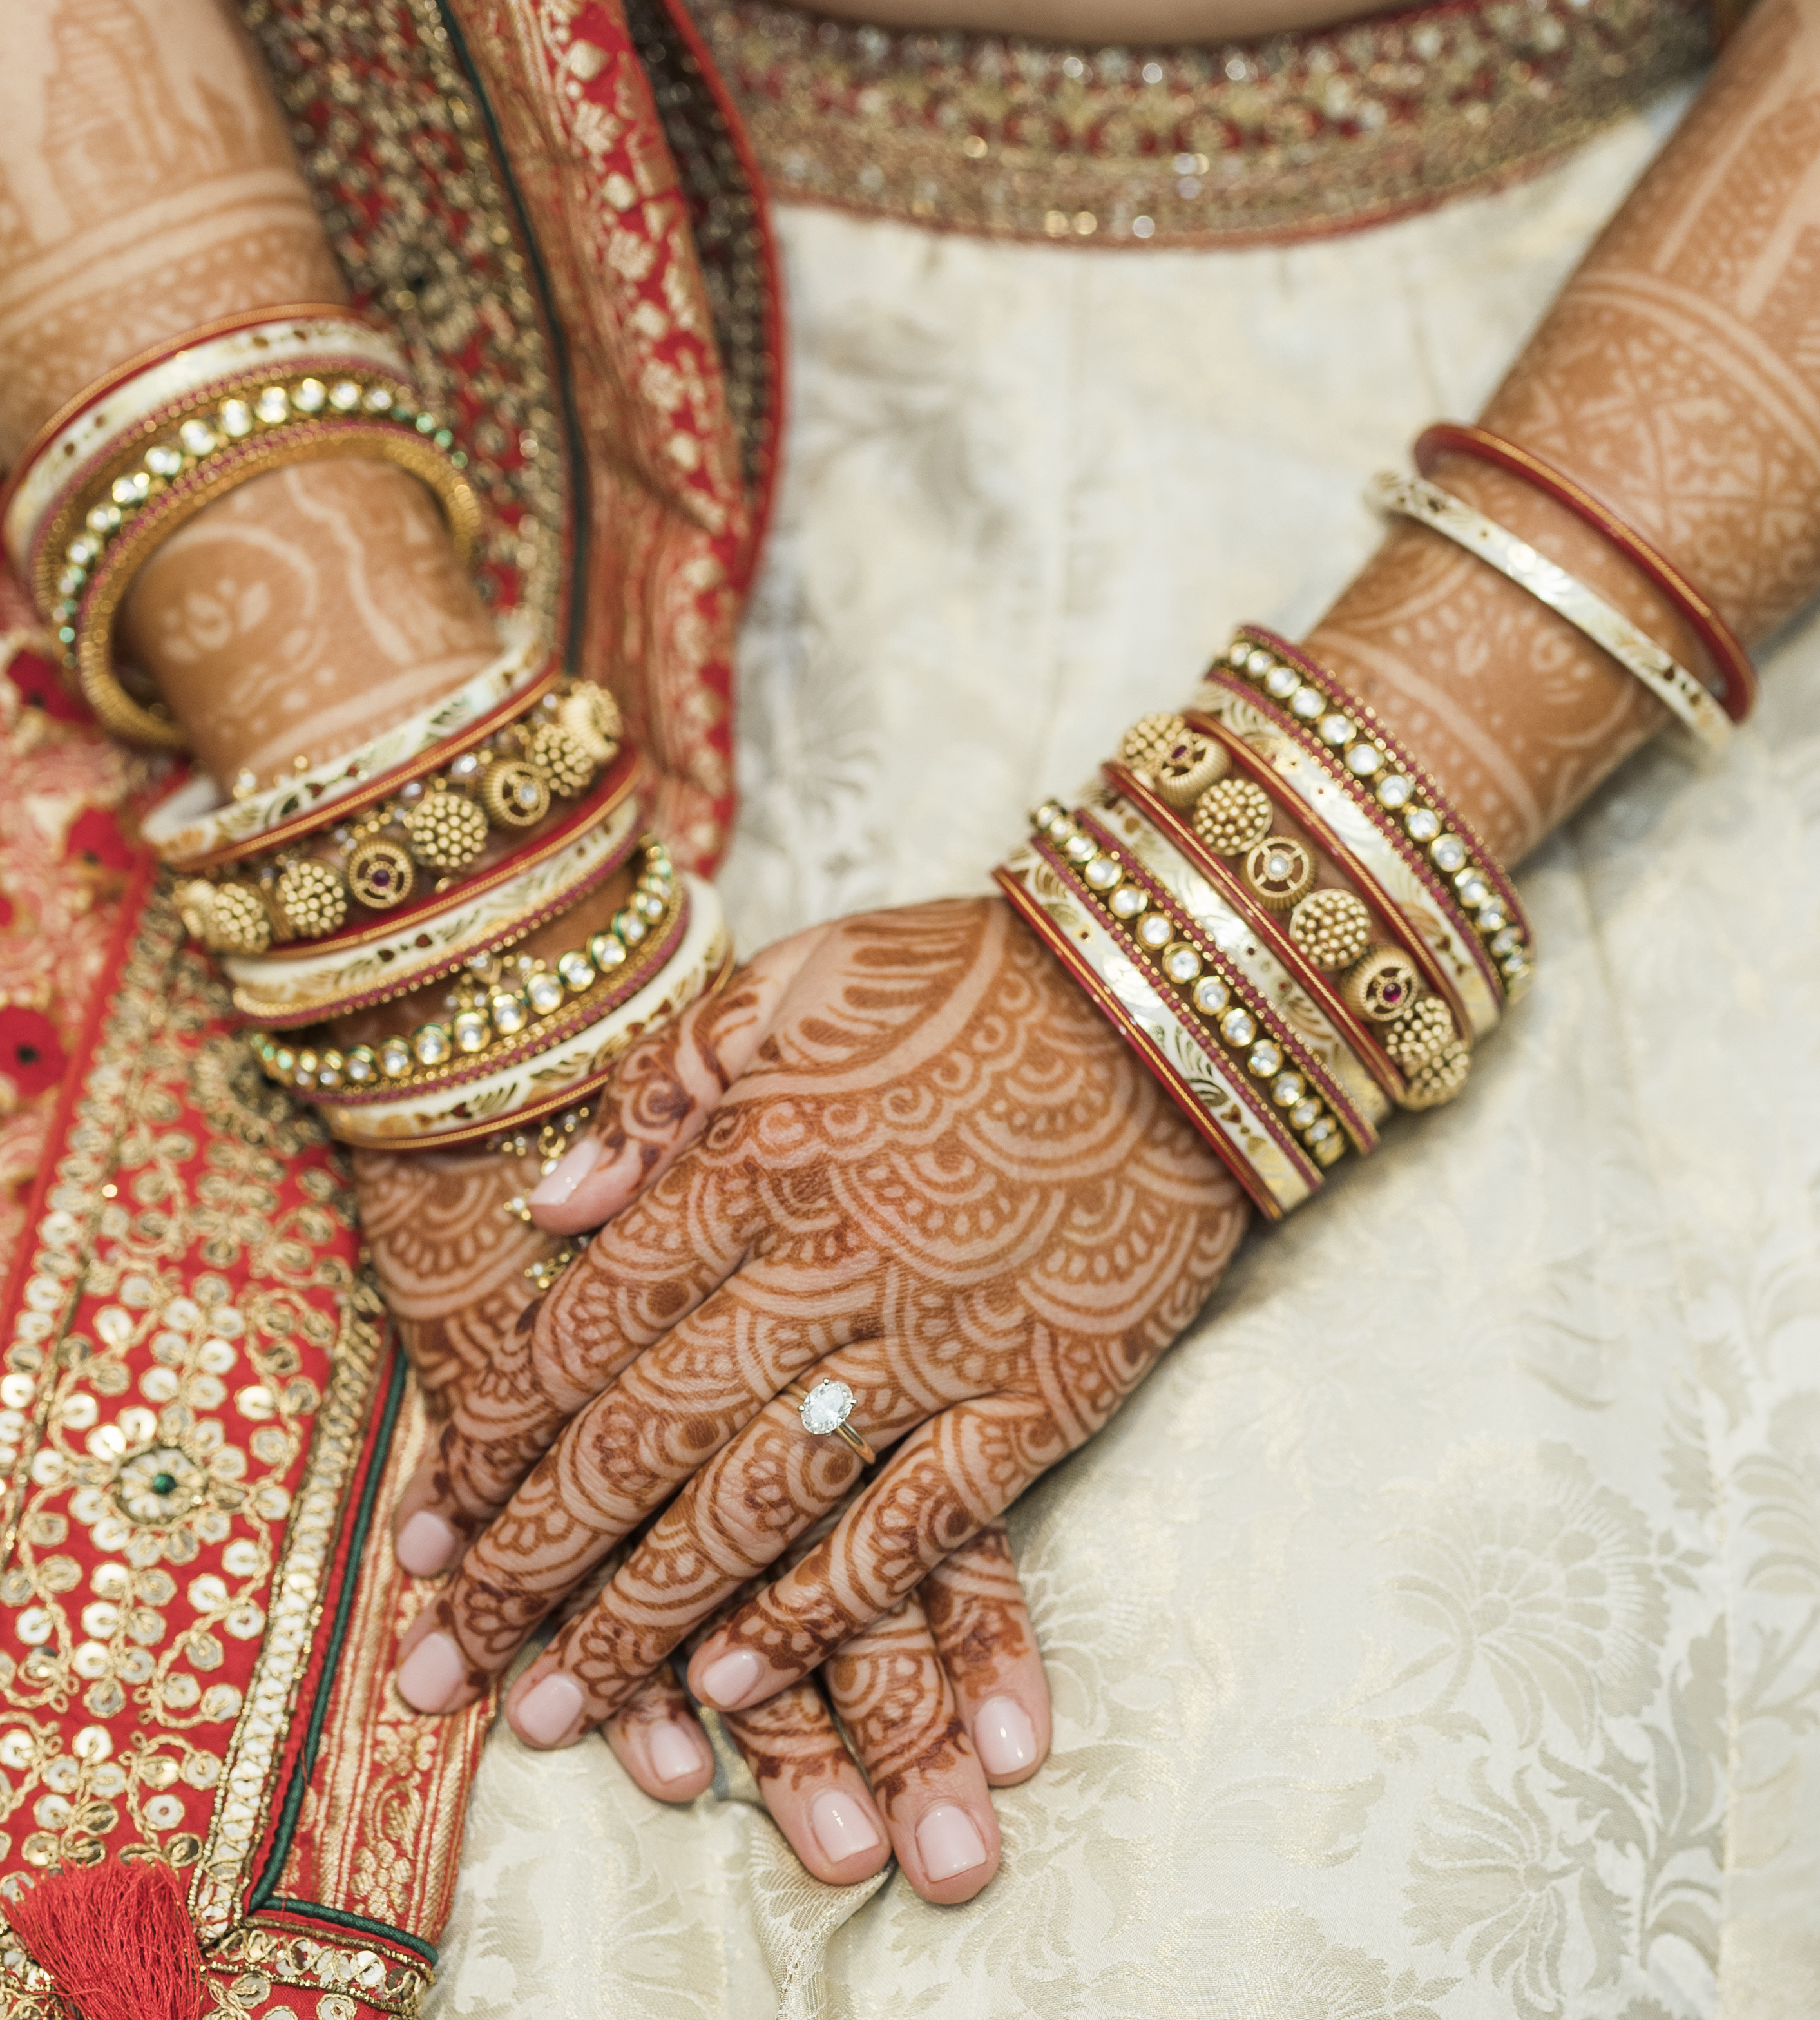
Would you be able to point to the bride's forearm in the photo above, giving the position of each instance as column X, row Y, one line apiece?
column 314, row 606
column 1675, row 379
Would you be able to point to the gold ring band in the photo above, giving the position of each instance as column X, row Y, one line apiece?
column 836, row 1399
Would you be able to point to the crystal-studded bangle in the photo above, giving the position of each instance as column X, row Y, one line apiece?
column 500, row 1007
column 1200, row 1069
column 311, row 982
column 227, row 355
column 236, row 442
column 557, row 1076
column 1353, row 776
column 1641, row 656
column 416, row 843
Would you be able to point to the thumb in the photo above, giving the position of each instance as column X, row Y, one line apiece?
column 666, row 1088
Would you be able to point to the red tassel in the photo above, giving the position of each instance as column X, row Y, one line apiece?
column 116, row 1939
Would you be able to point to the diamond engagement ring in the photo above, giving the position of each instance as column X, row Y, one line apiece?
column 825, row 1409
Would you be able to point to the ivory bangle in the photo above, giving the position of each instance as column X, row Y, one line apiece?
column 1608, row 626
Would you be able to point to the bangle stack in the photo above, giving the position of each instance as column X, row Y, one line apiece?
column 136, row 457
column 1279, row 910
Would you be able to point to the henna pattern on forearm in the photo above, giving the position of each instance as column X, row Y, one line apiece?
column 943, row 1168
column 1679, row 378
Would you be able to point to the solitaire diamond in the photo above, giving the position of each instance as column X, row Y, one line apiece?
column 827, row 1407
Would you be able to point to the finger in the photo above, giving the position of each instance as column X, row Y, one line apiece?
column 902, row 1720
column 953, row 1475
column 665, row 1090
column 982, row 1631
column 816, row 1796
column 735, row 1518
column 659, row 1743
column 619, row 1459
column 670, row 1250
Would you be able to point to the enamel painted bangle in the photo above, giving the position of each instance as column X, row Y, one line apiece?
column 90, row 598
column 1343, row 763
column 318, row 982
column 230, row 351
column 500, row 1007
column 418, row 843
column 1608, row 628
column 1225, row 1109
column 557, row 1077
column 1233, row 968
column 1737, row 676
column 194, row 828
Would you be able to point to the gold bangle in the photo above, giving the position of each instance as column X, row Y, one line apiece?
column 116, row 710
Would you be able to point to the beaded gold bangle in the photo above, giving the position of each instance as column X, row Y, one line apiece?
column 500, row 1007
column 370, row 862
column 563, row 1072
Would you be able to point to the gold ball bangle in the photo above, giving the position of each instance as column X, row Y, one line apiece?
column 1381, row 986
column 1150, row 738
column 590, row 713
column 1440, row 1077
column 559, row 753
column 1424, row 1029
column 1232, row 815
column 445, row 830
column 1280, row 870
column 312, row 897
column 1332, row 928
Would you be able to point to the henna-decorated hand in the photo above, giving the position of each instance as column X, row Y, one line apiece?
column 944, row 1696
column 904, row 1151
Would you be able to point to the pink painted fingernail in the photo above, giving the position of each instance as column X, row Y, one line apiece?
column 569, row 1170
column 673, row 1752
column 425, row 1544
column 842, row 1826
column 950, row 1842
column 730, row 1679
column 1003, row 1736
column 432, row 1673
column 546, row 1712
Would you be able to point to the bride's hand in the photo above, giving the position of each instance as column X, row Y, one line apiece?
column 943, row 1697
column 905, row 1152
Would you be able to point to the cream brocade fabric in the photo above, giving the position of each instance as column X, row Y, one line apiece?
column 1437, row 1634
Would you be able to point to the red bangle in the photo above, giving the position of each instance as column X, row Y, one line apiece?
column 1737, row 676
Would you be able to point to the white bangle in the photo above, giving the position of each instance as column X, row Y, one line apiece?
column 1609, row 629
column 194, row 824
column 305, row 988
column 438, row 1117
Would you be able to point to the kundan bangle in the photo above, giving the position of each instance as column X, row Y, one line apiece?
column 312, row 983
column 231, row 352
column 1670, row 682
column 430, row 832
column 564, row 1073
column 195, row 829
column 1737, row 676
column 500, row 1007
column 222, row 454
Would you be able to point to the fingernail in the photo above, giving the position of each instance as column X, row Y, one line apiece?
column 566, row 1174
column 425, row 1544
column 842, row 1826
column 673, row 1752
column 729, row 1680
column 431, row 1674
column 950, row 1842
column 545, row 1714
column 1004, row 1737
